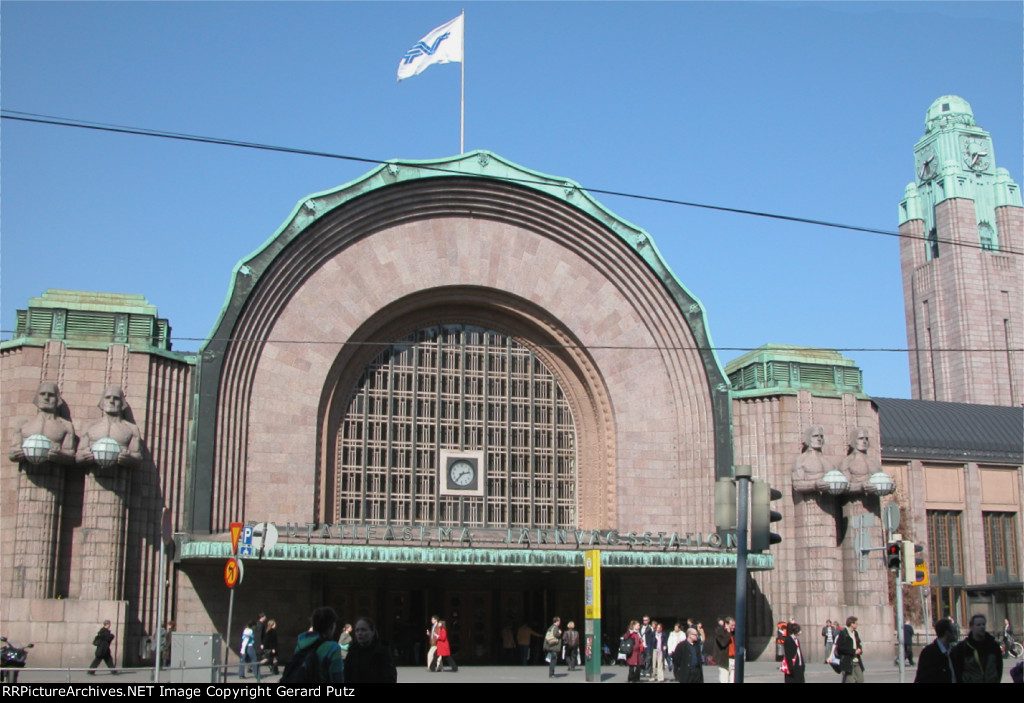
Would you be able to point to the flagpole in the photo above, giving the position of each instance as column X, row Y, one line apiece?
column 462, row 104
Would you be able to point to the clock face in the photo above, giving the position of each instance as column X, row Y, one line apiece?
column 976, row 153
column 461, row 472
column 927, row 164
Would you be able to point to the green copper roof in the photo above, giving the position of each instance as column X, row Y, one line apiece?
column 98, row 302
column 948, row 108
column 90, row 320
column 781, row 368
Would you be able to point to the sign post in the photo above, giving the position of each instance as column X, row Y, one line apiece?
column 592, row 613
column 232, row 577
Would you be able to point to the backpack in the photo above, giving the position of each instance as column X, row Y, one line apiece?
column 304, row 667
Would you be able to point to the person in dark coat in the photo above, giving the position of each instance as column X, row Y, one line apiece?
column 850, row 653
column 935, row 665
column 368, row 660
column 102, row 642
column 978, row 659
column 270, row 646
column 794, row 657
column 686, row 660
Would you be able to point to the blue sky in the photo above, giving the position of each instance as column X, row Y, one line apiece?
column 805, row 109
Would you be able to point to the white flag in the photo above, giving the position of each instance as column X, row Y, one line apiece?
column 442, row 45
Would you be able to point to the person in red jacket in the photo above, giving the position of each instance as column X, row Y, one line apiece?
column 444, row 648
column 635, row 660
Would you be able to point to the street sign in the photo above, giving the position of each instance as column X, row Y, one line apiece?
column 891, row 517
column 245, row 547
column 236, row 530
column 264, row 536
column 233, row 572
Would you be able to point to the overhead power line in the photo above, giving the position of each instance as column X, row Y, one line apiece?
column 585, row 347
column 145, row 132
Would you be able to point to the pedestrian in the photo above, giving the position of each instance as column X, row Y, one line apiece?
column 552, row 645
column 686, row 659
column 247, row 653
column 102, row 642
column 444, row 648
column 270, row 646
column 725, row 650
column 908, row 643
column 851, row 663
column 345, row 640
column 935, row 664
column 828, row 635
column 571, row 642
column 793, row 658
column 258, row 630
column 317, row 656
column 523, row 635
column 432, row 638
column 635, row 656
column 369, row 661
column 647, row 635
column 978, row 658
column 658, row 655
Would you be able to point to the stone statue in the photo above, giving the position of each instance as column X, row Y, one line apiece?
column 811, row 466
column 113, row 425
column 48, row 423
column 857, row 466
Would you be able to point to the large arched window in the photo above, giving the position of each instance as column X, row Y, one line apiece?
column 456, row 388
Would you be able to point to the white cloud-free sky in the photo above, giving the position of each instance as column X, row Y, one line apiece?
column 805, row 109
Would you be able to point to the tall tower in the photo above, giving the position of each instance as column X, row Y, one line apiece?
column 962, row 265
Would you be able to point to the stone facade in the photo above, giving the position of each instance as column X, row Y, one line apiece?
column 780, row 392
column 91, row 576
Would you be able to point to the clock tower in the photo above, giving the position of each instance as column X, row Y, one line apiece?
column 961, row 258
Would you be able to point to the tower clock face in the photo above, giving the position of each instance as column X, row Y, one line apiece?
column 927, row 164
column 976, row 153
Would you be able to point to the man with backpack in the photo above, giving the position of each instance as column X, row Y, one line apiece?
column 317, row 657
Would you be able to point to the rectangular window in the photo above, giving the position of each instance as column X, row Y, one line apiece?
column 1001, row 546
column 945, row 542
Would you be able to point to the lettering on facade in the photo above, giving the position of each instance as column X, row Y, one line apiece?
column 545, row 538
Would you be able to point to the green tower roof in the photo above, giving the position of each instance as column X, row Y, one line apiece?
column 948, row 108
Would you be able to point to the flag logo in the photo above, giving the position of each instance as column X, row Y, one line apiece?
column 422, row 48
column 442, row 45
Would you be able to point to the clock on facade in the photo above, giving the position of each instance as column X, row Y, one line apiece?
column 459, row 472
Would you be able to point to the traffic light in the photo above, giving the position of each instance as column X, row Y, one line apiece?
column 892, row 555
column 725, row 505
column 913, row 562
column 762, row 516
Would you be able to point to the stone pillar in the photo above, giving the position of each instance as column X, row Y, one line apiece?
column 816, row 551
column 103, row 522
column 37, row 536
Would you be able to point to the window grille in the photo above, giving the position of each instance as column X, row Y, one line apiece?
column 456, row 387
